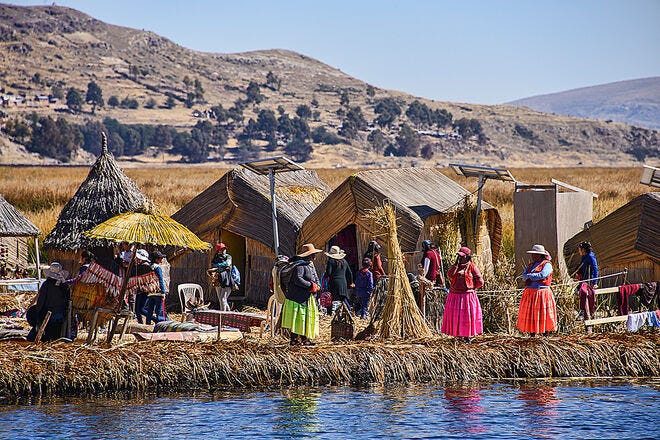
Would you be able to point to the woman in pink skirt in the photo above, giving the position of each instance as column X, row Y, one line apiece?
column 462, row 315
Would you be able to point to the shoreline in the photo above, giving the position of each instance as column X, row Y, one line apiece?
column 60, row 370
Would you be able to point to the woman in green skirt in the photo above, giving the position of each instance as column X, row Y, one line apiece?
column 300, row 313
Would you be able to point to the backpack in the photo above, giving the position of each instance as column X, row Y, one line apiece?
column 235, row 275
column 285, row 275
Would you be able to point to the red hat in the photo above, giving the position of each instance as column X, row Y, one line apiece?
column 464, row 251
column 220, row 246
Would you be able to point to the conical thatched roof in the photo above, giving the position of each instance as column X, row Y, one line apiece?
column 13, row 223
column 105, row 193
column 240, row 203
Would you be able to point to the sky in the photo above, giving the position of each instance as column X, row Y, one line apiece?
column 472, row 51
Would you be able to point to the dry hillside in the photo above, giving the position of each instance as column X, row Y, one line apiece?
column 66, row 47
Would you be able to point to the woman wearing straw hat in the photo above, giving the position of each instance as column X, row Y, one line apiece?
column 463, row 316
column 538, row 310
column 340, row 276
column 53, row 297
column 299, row 313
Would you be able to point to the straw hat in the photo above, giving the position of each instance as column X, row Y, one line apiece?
column 56, row 272
column 538, row 249
column 308, row 249
column 336, row 253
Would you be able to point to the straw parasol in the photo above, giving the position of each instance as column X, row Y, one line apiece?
column 146, row 227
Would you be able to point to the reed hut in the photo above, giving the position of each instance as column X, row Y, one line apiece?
column 15, row 229
column 422, row 198
column 627, row 238
column 105, row 193
column 236, row 210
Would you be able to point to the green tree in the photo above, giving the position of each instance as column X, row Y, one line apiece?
column 468, row 128
column 379, row 141
column 56, row 91
column 419, row 113
column 266, row 122
column 163, row 136
column 253, row 93
column 36, row 79
column 304, row 112
column 18, row 130
column 345, row 99
column 322, row 136
column 199, row 92
column 272, row 81
column 55, row 138
column 352, row 123
column 187, row 83
column 387, row 110
column 408, row 141
column 371, row 92
column 170, row 102
column 246, row 150
column 315, row 102
column 427, row 151
column 74, row 100
column 442, row 117
column 299, row 149
column 94, row 96
column 151, row 103
column 113, row 101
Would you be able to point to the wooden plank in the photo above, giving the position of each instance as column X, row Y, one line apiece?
column 42, row 327
column 605, row 320
column 606, row 290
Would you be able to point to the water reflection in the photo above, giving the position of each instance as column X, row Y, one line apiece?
column 464, row 403
column 540, row 409
column 297, row 412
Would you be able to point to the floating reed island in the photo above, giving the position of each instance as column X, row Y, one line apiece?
column 61, row 369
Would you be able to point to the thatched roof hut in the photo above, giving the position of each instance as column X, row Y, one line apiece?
column 627, row 238
column 421, row 197
column 15, row 229
column 105, row 193
column 236, row 210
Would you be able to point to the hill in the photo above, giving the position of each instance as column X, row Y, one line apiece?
column 47, row 50
column 635, row 102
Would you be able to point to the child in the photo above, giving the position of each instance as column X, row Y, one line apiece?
column 364, row 285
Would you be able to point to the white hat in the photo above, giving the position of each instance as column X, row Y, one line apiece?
column 56, row 272
column 142, row 254
column 538, row 249
column 336, row 252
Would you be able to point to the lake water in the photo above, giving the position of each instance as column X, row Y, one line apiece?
column 521, row 410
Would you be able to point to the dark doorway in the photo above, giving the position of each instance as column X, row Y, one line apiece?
column 236, row 248
column 346, row 239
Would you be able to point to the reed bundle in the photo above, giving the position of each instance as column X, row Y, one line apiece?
column 401, row 317
column 65, row 369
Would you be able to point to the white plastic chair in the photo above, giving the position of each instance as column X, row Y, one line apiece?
column 189, row 292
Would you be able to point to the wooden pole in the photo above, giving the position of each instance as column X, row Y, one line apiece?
column 42, row 327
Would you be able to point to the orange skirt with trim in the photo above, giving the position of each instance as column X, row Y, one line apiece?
column 538, row 311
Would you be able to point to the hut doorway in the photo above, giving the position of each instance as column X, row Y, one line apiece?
column 236, row 248
column 346, row 239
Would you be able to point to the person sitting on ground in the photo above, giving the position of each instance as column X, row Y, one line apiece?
column 53, row 297
column 364, row 285
column 222, row 261
column 463, row 316
column 340, row 276
column 300, row 314
column 538, row 310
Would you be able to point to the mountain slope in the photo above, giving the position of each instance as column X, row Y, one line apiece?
column 635, row 102
column 48, row 46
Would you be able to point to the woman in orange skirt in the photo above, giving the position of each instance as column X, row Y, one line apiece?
column 538, row 310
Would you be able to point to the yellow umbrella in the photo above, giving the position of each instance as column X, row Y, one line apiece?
column 147, row 228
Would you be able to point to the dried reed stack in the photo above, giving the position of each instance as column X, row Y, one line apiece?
column 70, row 369
column 401, row 316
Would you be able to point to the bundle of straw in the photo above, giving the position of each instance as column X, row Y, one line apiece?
column 401, row 316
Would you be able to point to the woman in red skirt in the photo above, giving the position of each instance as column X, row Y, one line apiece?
column 538, row 310
column 463, row 315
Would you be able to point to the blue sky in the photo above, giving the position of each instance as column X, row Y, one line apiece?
column 473, row 51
